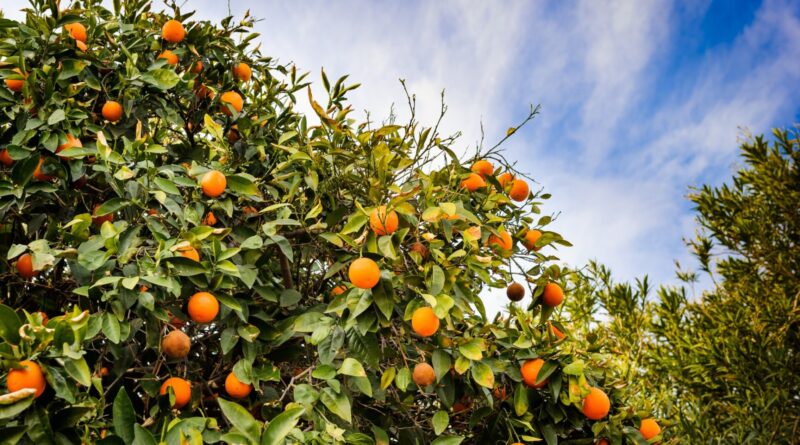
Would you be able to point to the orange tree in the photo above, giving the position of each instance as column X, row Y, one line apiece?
column 188, row 258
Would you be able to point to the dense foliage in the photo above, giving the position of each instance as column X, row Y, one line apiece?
column 723, row 366
column 190, row 260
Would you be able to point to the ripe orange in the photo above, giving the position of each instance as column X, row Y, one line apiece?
column 423, row 374
column 602, row 442
column 530, row 372
column 77, row 31
column 197, row 68
column 503, row 241
column 210, row 219
column 5, row 158
column 28, row 375
column 173, row 31
column 99, row 220
column 515, row 292
column 37, row 173
column 338, row 290
column 420, row 249
column 233, row 99
column 72, row 141
column 242, row 71
column 213, row 183
column 202, row 92
column 181, row 388
column 649, row 429
column 81, row 46
column 553, row 295
column 176, row 344
column 383, row 223
column 172, row 58
column 519, row 190
column 25, row 266
column 424, row 322
column 531, row 236
column 15, row 85
column 473, row 182
column 112, row 111
column 483, row 168
column 596, row 404
column 190, row 252
column 364, row 273
column 504, row 179
column 235, row 388
column 203, row 307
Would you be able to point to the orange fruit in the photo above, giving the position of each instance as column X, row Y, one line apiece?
column 364, row 273
column 504, row 179
column 649, row 429
column 213, row 183
column 190, row 252
column 602, row 442
column 499, row 393
column 553, row 295
column 77, row 31
column 210, row 219
column 383, row 223
column 27, row 375
column 172, row 58
column 420, row 249
column 338, row 290
column 112, row 111
column 242, row 71
column 152, row 212
column 176, row 344
column 37, row 173
column 423, row 374
column 473, row 182
column 102, row 372
column 5, row 158
column 519, row 190
column 424, row 322
column 176, row 322
column 72, row 141
column 181, row 388
column 483, row 168
column 235, row 388
column 202, row 92
column 173, row 31
column 515, row 292
column 81, row 46
column 25, row 266
column 203, row 307
column 44, row 317
column 596, row 404
column 503, row 241
column 530, row 372
column 15, row 85
column 99, row 220
column 197, row 68
column 531, row 236
column 233, row 99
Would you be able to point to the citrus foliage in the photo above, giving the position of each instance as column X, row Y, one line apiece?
column 721, row 367
column 190, row 259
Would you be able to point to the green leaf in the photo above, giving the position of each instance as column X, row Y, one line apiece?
column 185, row 267
column 242, row 185
column 521, row 400
column 124, row 416
column 355, row 222
column 12, row 404
column 56, row 117
column 167, row 186
column 472, row 349
column 78, row 370
column 387, row 377
column 111, row 206
column 9, row 325
column 70, row 68
column 338, row 404
column 141, row 436
column 440, row 421
column 352, row 367
column 161, row 78
column 575, row 368
column 403, row 379
column 280, row 426
column 441, row 363
column 241, row 419
column 448, row 440
column 483, row 375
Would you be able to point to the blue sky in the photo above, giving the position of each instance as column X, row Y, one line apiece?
column 641, row 99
